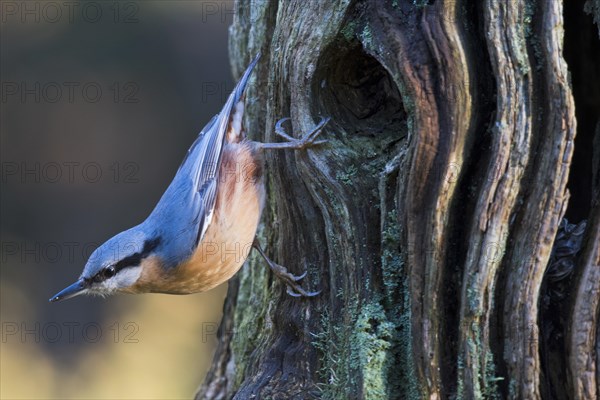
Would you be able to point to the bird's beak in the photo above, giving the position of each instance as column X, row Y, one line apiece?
column 70, row 291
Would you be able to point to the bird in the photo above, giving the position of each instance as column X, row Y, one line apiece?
column 203, row 227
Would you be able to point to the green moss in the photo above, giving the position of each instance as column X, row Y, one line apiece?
column 397, row 300
column 512, row 389
column 531, row 37
column 391, row 235
column 249, row 326
column 391, row 260
column 520, row 49
column 485, row 381
column 373, row 351
column 472, row 344
column 391, row 263
column 490, row 391
column 349, row 30
column 473, row 298
column 421, row 3
column 348, row 175
column 366, row 37
column 325, row 343
column 460, row 387
column 332, row 342
column 406, row 364
column 372, row 338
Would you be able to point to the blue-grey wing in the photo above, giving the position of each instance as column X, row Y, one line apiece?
column 203, row 160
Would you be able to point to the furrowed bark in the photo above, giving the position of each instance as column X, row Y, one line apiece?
column 497, row 199
column 544, row 203
column 429, row 217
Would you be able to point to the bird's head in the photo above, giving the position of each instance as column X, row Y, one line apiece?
column 115, row 266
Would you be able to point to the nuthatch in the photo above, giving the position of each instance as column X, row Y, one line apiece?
column 200, row 232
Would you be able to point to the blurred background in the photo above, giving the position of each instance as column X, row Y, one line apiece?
column 99, row 103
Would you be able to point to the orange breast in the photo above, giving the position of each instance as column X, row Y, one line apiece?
column 228, row 239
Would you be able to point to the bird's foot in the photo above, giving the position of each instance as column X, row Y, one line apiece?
column 306, row 141
column 290, row 280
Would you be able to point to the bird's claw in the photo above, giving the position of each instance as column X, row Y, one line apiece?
column 296, row 278
column 301, row 292
column 308, row 139
column 279, row 130
column 290, row 280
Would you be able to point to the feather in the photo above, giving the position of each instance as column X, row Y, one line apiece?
column 203, row 160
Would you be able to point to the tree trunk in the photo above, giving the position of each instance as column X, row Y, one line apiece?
column 429, row 218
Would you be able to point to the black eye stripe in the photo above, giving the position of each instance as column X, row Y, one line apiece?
column 130, row 261
column 150, row 245
column 136, row 259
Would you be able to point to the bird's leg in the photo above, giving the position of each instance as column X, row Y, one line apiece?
column 306, row 141
column 290, row 280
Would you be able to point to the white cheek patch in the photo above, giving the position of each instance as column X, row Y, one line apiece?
column 128, row 276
